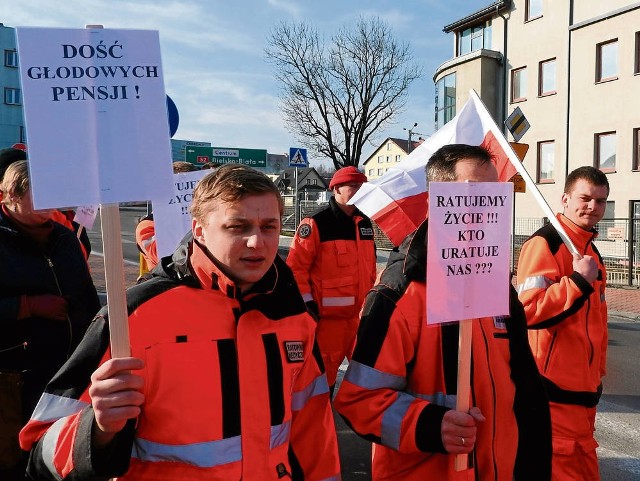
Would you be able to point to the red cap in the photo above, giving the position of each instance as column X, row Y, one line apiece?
column 346, row 175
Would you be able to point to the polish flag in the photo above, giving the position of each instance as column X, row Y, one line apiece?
column 397, row 201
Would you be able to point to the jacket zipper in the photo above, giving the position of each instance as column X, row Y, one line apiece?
column 495, row 404
column 548, row 359
column 69, row 325
column 586, row 321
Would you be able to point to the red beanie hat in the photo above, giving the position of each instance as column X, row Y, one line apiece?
column 347, row 175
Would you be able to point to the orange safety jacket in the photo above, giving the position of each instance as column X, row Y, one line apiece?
column 567, row 316
column 146, row 241
column 233, row 383
column 333, row 258
column 66, row 219
column 403, row 378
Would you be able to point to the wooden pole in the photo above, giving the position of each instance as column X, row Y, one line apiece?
column 464, row 381
column 114, row 278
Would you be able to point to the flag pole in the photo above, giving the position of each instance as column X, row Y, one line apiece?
column 519, row 166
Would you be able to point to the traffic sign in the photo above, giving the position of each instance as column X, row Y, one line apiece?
column 297, row 157
column 225, row 155
column 20, row 146
column 517, row 124
column 174, row 117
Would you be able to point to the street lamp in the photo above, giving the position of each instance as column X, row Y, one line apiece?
column 412, row 132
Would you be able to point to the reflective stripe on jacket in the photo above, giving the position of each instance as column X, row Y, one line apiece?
column 403, row 375
column 567, row 316
column 233, row 386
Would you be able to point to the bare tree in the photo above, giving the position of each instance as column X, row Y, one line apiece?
column 334, row 98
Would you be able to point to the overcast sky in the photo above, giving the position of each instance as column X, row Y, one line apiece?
column 213, row 54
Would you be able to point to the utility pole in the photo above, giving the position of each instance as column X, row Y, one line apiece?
column 411, row 134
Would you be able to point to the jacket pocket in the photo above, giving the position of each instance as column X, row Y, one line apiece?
column 338, row 297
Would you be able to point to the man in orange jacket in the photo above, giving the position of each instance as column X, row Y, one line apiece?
column 400, row 388
column 333, row 258
column 564, row 299
column 225, row 381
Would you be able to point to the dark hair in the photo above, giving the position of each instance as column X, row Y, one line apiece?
column 590, row 174
column 442, row 164
column 230, row 183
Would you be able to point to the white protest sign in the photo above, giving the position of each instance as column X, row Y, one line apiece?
column 96, row 115
column 86, row 216
column 468, row 250
column 171, row 216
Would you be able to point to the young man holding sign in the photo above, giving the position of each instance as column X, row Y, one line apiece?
column 400, row 388
column 225, row 380
column 564, row 300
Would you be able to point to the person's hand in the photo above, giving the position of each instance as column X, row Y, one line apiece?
column 585, row 266
column 458, row 430
column 47, row 306
column 116, row 396
column 312, row 308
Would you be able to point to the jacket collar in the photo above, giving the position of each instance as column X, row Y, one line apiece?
column 577, row 234
column 339, row 213
column 193, row 265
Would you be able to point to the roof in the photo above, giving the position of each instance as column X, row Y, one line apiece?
column 303, row 173
column 482, row 14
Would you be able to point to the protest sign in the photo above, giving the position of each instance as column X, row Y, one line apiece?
column 468, row 250
column 171, row 216
column 86, row 216
column 96, row 116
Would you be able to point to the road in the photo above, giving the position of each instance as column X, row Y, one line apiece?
column 618, row 419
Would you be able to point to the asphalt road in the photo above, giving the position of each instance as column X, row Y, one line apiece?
column 618, row 419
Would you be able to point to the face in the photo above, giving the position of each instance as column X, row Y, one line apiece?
column 22, row 210
column 343, row 192
column 472, row 171
column 585, row 204
column 242, row 236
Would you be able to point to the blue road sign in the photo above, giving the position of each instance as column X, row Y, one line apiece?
column 174, row 117
column 297, row 157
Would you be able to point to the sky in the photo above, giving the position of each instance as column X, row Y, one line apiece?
column 213, row 58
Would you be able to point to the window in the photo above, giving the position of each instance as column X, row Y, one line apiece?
column 308, row 181
column 10, row 58
column 546, row 161
column 380, row 159
column 636, row 62
column 397, row 158
column 547, row 77
column 388, row 159
column 605, row 147
column 519, row 84
column 445, row 100
column 474, row 38
column 372, row 172
column 12, row 96
column 534, row 9
column 635, row 163
column 607, row 61
column 380, row 171
column 388, row 145
column 610, row 210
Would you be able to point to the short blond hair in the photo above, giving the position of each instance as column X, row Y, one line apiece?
column 180, row 166
column 15, row 181
column 230, row 183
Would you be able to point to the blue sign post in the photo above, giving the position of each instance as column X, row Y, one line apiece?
column 298, row 157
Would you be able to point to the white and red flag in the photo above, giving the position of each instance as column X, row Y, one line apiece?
column 397, row 201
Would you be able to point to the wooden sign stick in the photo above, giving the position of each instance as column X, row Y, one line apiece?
column 464, row 380
column 114, row 278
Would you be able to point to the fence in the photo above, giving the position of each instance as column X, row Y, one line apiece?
column 618, row 240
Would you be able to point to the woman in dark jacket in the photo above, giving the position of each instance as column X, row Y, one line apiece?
column 47, row 300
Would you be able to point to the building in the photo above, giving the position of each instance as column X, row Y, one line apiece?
column 572, row 67
column 390, row 152
column 310, row 183
column 11, row 115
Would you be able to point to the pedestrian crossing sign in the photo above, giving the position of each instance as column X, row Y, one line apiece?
column 298, row 157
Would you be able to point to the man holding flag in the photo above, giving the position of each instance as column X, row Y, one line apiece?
column 564, row 300
column 400, row 388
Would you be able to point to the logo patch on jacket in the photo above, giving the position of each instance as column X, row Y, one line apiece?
column 304, row 231
column 500, row 322
column 366, row 233
column 295, row 351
